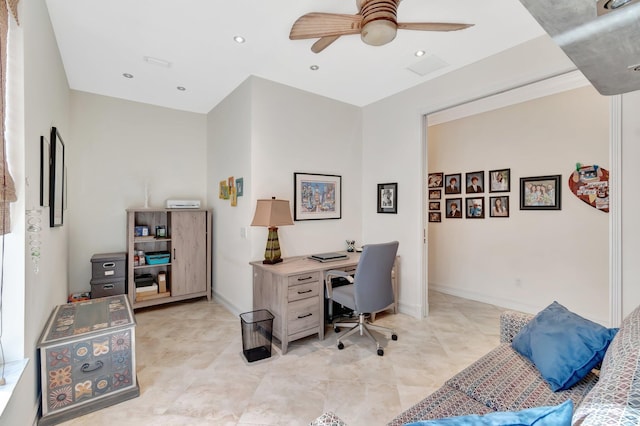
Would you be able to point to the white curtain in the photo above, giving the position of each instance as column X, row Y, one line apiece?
column 7, row 187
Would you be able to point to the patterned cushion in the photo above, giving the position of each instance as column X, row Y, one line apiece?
column 506, row 381
column 445, row 402
column 328, row 419
column 619, row 378
column 606, row 414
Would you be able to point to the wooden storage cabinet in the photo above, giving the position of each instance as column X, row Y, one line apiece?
column 188, row 237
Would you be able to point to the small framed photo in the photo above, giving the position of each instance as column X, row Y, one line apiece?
column 434, row 205
column 475, row 182
column 452, row 183
column 240, row 186
column 388, row 198
column 499, row 206
column 435, row 180
column 500, row 180
column 454, row 208
column 435, row 217
column 474, row 207
column 540, row 193
column 435, row 194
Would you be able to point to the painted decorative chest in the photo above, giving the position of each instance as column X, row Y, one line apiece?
column 87, row 358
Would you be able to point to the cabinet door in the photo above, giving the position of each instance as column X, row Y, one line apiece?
column 189, row 252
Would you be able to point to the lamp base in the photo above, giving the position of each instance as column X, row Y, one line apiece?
column 272, row 252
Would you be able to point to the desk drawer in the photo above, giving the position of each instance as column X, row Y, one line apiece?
column 303, row 314
column 302, row 291
column 304, row 278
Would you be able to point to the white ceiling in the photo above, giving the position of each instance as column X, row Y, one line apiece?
column 100, row 40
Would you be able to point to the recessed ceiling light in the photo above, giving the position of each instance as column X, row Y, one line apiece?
column 127, row 75
column 314, row 68
column 239, row 39
column 182, row 89
column 420, row 53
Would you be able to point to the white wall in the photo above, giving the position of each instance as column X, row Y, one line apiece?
column 531, row 258
column 113, row 147
column 291, row 131
column 31, row 297
column 229, row 154
column 630, row 201
column 393, row 144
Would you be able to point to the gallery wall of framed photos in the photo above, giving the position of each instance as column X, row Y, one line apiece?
column 523, row 232
column 464, row 194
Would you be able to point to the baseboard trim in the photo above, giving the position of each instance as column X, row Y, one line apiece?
column 501, row 302
column 412, row 310
column 224, row 302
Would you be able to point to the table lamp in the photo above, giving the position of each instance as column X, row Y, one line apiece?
column 272, row 213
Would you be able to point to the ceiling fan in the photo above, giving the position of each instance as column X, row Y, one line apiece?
column 376, row 22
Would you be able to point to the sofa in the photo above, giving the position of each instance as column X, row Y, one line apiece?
column 505, row 381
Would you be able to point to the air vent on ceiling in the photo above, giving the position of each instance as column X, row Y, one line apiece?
column 427, row 65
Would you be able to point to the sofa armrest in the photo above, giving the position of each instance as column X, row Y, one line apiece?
column 511, row 322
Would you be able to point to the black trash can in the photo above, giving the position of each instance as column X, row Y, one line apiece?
column 257, row 333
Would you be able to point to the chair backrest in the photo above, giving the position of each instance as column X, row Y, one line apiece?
column 373, row 290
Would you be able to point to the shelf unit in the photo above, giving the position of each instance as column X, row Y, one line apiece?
column 187, row 239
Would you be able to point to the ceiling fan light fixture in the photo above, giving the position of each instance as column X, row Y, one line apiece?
column 379, row 32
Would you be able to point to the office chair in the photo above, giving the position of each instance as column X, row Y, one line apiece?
column 370, row 290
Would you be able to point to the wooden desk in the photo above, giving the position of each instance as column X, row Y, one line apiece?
column 293, row 291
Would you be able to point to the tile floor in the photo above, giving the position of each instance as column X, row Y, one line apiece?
column 191, row 369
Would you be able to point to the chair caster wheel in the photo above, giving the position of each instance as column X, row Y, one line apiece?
column 336, row 329
column 380, row 352
column 340, row 346
column 394, row 337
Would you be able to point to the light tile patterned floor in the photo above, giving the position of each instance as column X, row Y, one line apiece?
column 192, row 372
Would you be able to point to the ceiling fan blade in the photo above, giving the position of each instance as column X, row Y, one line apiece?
column 432, row 26
column 323, row 43
column 317, row 25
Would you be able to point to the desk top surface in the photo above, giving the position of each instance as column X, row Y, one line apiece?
column 302, row 264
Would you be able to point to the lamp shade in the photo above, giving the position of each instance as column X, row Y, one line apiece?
column 272, row 213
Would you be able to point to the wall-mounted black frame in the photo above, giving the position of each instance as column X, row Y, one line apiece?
column 56, row 179
column 541, row 193
column 45, row 164
column 388, row 198
column 317, row 196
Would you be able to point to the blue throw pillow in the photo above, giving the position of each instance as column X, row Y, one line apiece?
column 559, row 415
column 562, row 345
